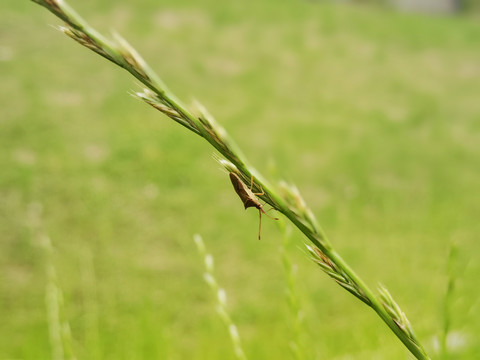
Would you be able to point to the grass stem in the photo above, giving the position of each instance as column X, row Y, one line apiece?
column 221, row 298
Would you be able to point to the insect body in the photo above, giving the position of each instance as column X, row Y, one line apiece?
column 248, row 197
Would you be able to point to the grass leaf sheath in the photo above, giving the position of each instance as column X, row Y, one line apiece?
column 286, row 200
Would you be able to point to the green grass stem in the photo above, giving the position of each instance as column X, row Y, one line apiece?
column 447, row 302
column 296, row 314
column 59, row 332
column 221, row 298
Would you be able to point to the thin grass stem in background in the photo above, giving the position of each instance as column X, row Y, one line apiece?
column 59, row 332
column 91, row 305
column 221, row 298
column 293, row 301
column 286, row 199
column 447, row 302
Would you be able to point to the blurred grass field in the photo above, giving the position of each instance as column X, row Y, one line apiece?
column 374, row 115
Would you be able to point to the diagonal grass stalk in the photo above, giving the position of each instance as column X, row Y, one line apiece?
column 286, row 200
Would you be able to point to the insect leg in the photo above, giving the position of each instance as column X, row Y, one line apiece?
column 259, row 223
column 265, row 212
column 251, row 188
column 260, row 194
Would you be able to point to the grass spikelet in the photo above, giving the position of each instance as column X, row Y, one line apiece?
column 398, row 316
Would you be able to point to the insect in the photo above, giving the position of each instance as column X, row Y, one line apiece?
column 248, row 197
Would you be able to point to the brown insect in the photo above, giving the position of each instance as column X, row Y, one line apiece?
column 248, row 197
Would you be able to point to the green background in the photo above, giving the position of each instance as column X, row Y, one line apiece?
column 374, row 115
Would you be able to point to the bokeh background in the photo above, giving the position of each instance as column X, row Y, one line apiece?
column 373, row 113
